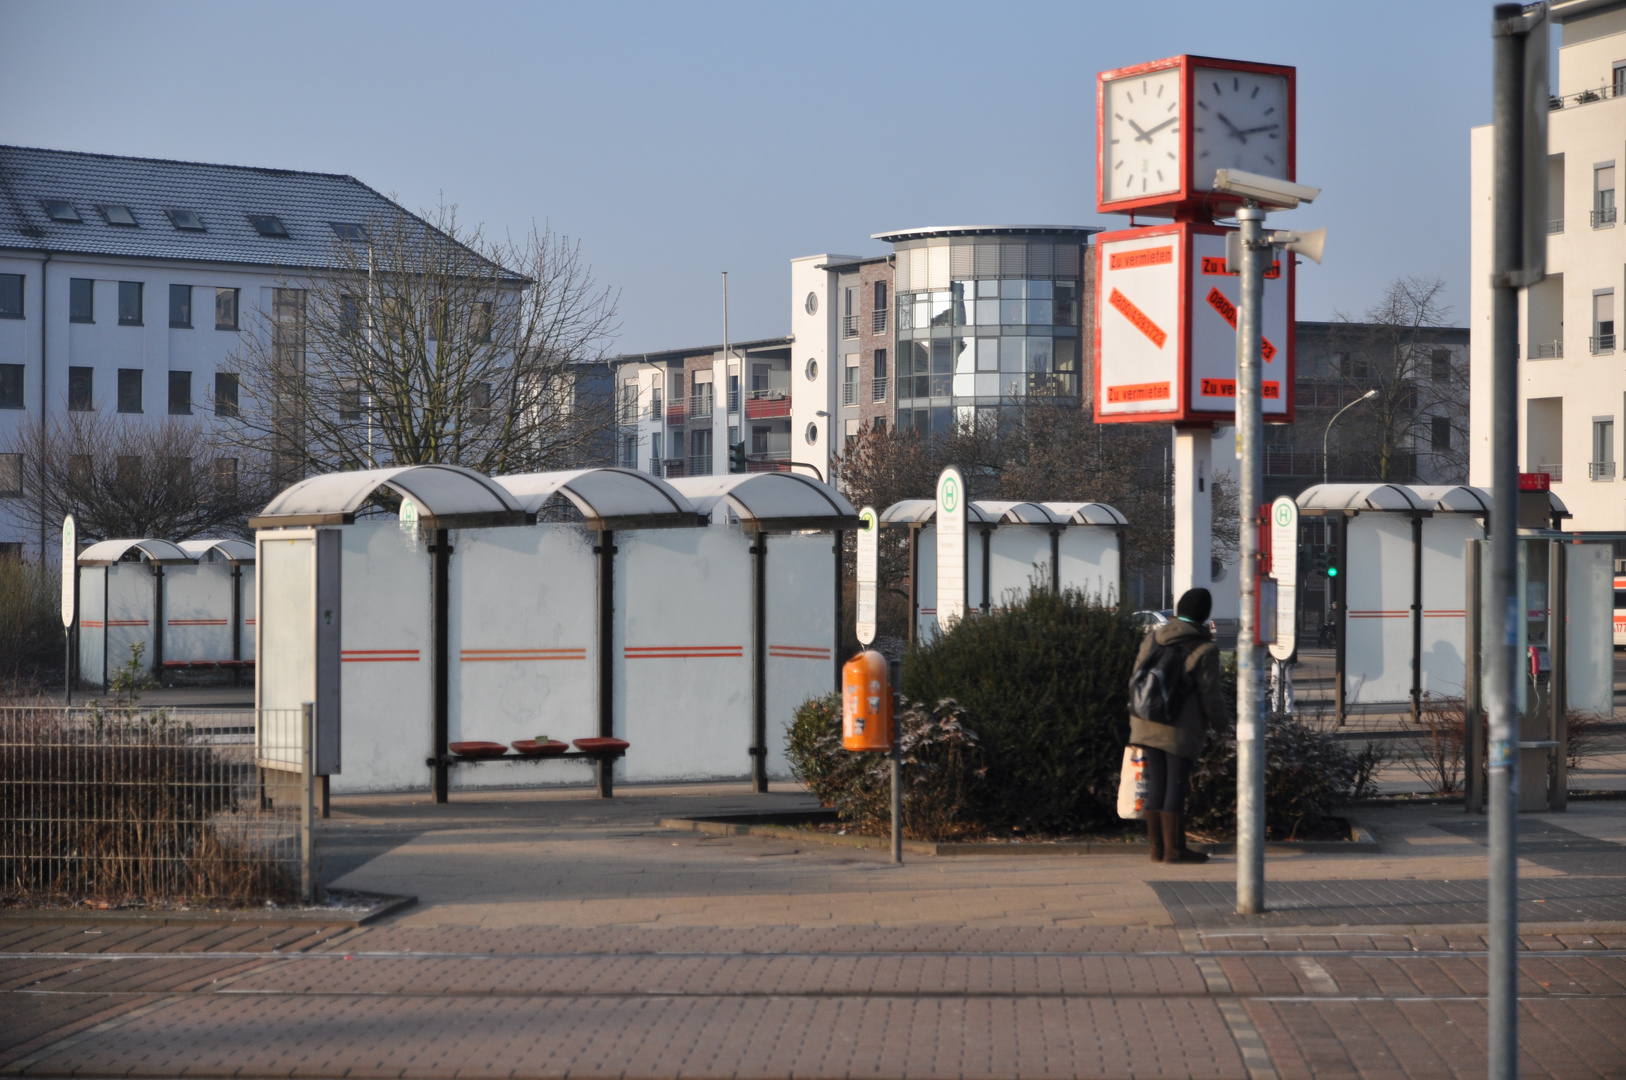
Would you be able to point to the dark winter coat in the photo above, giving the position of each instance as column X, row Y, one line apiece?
column 1205, row 705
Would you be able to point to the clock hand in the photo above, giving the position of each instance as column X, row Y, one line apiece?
column 1139, row 134
column 1236, row 133
column 1265, row 127
column 1149, row 132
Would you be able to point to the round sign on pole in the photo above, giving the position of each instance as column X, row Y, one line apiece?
column 70, row 567
column 1284, row 567
column 869, row 532
column 950, row 547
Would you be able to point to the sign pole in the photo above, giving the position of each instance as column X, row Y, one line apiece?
column 70, row 603
column 1250, row 702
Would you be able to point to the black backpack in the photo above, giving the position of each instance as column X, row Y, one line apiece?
column 1157, row 690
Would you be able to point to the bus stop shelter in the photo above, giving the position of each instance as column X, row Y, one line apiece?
column 121, row 604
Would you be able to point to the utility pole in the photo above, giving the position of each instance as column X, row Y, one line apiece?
column 1250, row 699
column 1518, row 257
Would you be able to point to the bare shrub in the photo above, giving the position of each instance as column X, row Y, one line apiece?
column 1435, row 756
column 1584, row 733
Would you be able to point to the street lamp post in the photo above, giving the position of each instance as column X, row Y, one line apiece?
column 1334, row 420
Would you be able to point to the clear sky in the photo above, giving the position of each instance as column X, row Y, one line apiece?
column 677, row 140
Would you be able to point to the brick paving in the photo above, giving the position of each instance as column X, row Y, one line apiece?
column 558, row 938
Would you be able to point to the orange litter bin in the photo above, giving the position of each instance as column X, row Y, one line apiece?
column 866, row 703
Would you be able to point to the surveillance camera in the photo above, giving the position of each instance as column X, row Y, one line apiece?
column 1266, row 189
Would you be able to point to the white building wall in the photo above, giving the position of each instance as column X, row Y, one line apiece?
column 814, row 389
column 1591, row 386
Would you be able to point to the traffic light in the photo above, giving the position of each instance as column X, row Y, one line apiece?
column 736, row 457
column 1318, row 561
column 1332, row 561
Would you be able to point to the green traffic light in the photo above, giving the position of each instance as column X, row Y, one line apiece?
column 1332, row 571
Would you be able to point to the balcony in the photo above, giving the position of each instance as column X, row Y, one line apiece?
column 654, row 411
column 1601, row 343
column 699, row 465
column 849, row 392
column 1547, row 350
column 733, row 401
column 1554, row 471
column 674, row 415
column 766, row 404
column 700, row 406
column 1585, row 97
column 768, row 461
column 674, row 467
column 849, row 326
column 1555, row 225
column 879, row 324
column 1603, row 218
column 1600, row 470
column 878, row 389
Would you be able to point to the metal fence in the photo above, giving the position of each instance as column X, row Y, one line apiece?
column 145, row 804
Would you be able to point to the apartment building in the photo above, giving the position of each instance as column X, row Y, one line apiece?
column 1572, row 383
column 125, row 284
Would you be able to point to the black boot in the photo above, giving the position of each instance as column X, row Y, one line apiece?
column 1154, row 833
column 1174, row 841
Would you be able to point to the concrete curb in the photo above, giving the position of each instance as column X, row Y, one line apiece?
column 782, row 827
column 388, row 905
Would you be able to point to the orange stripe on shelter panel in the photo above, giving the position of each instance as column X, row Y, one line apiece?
column 1137, row 318
column 128, row 622
column 379, row 656
column 476, row 655
column 1442, row 614
column 197, row 622
column 90, row 625
column 1129, row 260
column 682, row 652
column 799, row 652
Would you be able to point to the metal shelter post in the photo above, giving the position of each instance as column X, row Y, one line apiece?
column 759, row 663
column 1558, row 676
column 441, row 554
column 835, row 648
column 1473, row 705
column 157, row 622
column 1340, row 622
column 604, row 768
column 914, row 580
column 307, row 755
column 987, row 560
column 1250, row 703
column 1055, row 561
column 1416, row 618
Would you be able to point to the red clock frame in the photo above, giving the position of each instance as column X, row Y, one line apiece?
column 1190, row 202
column 1186, row 414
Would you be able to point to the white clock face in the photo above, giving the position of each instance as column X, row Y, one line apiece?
column 1140, row 135
column 1239, row 120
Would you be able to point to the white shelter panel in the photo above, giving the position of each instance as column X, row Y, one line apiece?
column 973, row 564
column 1589, row 643
column 385, row 652
column 926, row 585
column 197, row 611
column 93, row 624
column 1377, row 627
column 683, row 677
column 1089, row 562
column 287, row 678
column 801, row 632
column 1445, row 607
column 524, row 645
column 1020, row 556
column 251, row 595
column 129, row 613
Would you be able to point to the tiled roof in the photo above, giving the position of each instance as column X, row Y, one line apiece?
column 223, row 196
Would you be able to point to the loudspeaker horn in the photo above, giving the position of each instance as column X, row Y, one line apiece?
column 1308, row 244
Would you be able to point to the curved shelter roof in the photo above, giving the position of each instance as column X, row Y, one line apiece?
column 770, row 501
column 1404, row 498
column 608, row 498
column 991, row 512
column 234, row 551
column 447, row 497
column 1087, row 513
column 108, row 552
column 922, row 511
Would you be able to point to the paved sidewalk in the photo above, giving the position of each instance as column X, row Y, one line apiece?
column 558, row 935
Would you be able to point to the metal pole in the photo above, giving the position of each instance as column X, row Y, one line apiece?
column 897, row 797
column 604, row 768
column 441, row 604
column 759, row 664
column 1416, row 619
column 914, row 581
column 1340, row 622
column 1501, row 637
column 1558, row 690
column 1473, row 709
column 1250, row 702
column 307, row 880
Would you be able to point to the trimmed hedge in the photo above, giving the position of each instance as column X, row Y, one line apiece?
column 1044, row 681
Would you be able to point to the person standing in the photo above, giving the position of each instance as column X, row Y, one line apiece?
column 1184, row 647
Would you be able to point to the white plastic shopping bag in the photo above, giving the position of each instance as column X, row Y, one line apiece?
column 1132, row 784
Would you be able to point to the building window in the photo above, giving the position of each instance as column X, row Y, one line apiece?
column 849, row 385
column 1620, row 78
column 1441, row 366
column 349, row 316
column 180, row 306
column 129, row 303
column 880, row 425
column 349, row 400
column 61, row 210
column 225, row 309
column 180, row 393
column 1441, row 430
column 1603, row 196
column 129, row 390
column 81, row 300
column 225, row 394
column 11, row 549
column 480, row 321
column 880, row 296
column 1603, row 321
column 11, row 296
column 480, row 402
column 657, row 446
column 348, row 232
column 849, row 319
column 11, row 475
column 185, row 220
column 268, row 225
column 119, row 215
column 11, row 386
column 81, row 385
column 1603, row 449
column 225, row 478
column 127, row 472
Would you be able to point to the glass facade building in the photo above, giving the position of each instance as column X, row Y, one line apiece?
column 985, row 318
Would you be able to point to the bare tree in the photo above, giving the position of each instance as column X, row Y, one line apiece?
column 424, row 342
column 124, row 477
column 1394, row 349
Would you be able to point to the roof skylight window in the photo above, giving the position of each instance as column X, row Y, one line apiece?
column 60, row 210
column 268, row 225
column 186, row 220
column 348, row 232
column 119, row 215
